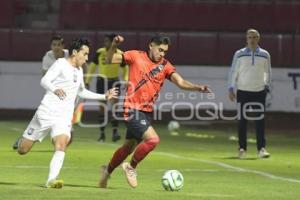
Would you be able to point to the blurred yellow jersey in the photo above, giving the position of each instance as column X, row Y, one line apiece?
column 110, row 71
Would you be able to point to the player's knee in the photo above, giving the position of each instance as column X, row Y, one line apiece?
column 153, row 142
column 60, row 146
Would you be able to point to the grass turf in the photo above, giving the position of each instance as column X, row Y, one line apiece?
column 206, row 158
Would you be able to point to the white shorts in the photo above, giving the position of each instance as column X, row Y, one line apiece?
column 38, row 128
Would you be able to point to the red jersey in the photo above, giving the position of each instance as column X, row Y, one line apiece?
column 146, row 79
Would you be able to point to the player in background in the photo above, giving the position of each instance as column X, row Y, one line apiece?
column 57, row 51
column 147, row 73
column 107, row 77
column 63, row 83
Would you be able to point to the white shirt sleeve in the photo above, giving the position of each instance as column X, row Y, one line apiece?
column 268, row 72
column 86, row 94
column 47, row 62
column 51, row 74
column 233, row 73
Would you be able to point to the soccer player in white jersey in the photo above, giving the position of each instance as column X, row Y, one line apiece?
column 57, row 51
column 63, row 83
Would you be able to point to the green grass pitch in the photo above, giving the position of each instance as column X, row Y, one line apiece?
column 205, row 156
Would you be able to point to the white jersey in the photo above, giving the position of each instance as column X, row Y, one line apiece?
column 62, row 75
column 250, row 71
column 49, row 59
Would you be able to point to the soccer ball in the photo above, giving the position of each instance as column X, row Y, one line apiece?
column 172, row 180
column 173, row 126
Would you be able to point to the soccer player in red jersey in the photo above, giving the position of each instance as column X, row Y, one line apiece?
column 147, row 73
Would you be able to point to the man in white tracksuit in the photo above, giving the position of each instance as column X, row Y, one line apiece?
column 57, row 51
column 250, row 77
column 63, row 83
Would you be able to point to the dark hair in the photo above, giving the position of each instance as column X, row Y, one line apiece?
column 110, row 36
column 160, row 38
column 57, row 37
column 76, row 44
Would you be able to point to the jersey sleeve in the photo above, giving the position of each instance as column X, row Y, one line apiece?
column 268, row 71
column 86, row 94
column 233, row 73
column 170, row 69
column 46, row 63
column 129, row 56
column 53, row 72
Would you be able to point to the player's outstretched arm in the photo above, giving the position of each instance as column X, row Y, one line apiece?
column 109, row 95
column 111, row 56
column 186, row 85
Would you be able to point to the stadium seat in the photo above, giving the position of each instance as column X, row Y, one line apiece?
column 6, row 13
column 138, row 16
column 181, row 15
column 286, row 17
column 74, row 14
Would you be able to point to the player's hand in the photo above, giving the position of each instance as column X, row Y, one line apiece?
column 231, row 95
column 204, row 89
column 118, row 40
column 112, row 94
column 60, row 93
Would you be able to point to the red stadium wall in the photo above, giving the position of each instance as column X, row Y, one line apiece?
column 204, row 48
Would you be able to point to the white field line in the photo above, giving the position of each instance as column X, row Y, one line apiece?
column 16, row 129
column 224, row 165
column 194, row 170
column 32, row 167
column 233, row 168
column 72, row 167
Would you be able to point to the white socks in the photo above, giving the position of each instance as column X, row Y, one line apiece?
column 55, row 165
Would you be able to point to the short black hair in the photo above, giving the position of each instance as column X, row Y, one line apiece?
column 160, row 38
column 76, row 44
column 110, row 36
column 57, row 37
